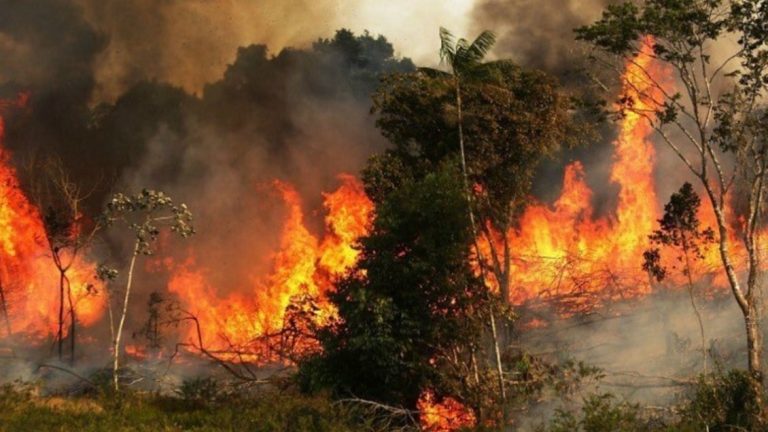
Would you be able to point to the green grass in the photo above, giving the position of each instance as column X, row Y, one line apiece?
column 272, row 411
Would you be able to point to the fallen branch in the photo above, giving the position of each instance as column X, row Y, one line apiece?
column 65, row 370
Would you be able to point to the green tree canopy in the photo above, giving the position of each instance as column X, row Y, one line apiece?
column 408, row 302
column 512, row 120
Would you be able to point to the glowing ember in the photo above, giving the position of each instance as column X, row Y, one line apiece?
column 28, row 276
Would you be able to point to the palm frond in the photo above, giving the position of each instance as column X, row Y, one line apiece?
column 447, row 46
column 461, row 55
column 477, row 51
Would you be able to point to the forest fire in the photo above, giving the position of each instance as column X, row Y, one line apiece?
column 563, row 251
column 28, row 277
column 505, row 215
column 303, row 269
column 560, row 250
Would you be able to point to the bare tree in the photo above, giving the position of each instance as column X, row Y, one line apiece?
column 144, row 214
column 68, row 233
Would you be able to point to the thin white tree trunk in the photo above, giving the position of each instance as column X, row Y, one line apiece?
column 468, row 192
column 119, row 334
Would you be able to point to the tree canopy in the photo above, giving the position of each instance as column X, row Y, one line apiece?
column 410, row 299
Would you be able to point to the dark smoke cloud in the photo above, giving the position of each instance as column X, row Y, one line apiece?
column 300, row 115
column 189, row 43
column 539, row 34
column 47, row 44
column 47, row 49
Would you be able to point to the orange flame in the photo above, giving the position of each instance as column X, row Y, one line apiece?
column 304, row 266
column 445, row 416
column 28, row 277
column 563, row 252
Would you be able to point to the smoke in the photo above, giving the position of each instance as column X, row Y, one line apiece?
column 539, row 34
column 175, row 96
column 213, row 138
column 648, row 349
column 47, row 45
column 190, row 43
column 301, row 117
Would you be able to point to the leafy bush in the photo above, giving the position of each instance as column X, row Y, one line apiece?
column 599, row 413
column 723, row 402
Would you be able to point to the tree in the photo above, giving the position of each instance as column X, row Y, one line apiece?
column 68, row 233
column 410, row 303
column 511, row 119
column 680, row 230
column 716, row 124
column 144, row 214
column 464, row 58
column 506, row 120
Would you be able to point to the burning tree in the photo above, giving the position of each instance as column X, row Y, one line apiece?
column 506, row 121
column 144, row 214
column 68, row 233
column 716, row 124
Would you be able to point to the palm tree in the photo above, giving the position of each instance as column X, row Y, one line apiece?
column 465, row 60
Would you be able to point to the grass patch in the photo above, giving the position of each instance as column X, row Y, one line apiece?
column 21, row 410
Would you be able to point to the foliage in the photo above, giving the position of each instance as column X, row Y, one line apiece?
column 411, row 299
column 718, row 402
column 149, row 206
column 599, row 413
column 722, row 401
column 679, row 228
column 506, row 121
column 267, row 411
column 144, row 214
column 464, row 56
column 512, row 119
column 199, row 390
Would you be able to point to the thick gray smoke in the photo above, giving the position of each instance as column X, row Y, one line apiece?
column 539, row 34
column 649, row 349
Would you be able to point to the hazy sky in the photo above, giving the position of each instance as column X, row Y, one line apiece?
column 190, row 42
column 412, row 26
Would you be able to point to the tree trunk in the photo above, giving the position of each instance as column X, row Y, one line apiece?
column 473, row 224
column 60, row 335
column 754, row 347
column 4, row 307
column 119, row 334
column 702, row 334
column 497, row 353
column 72, row 322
